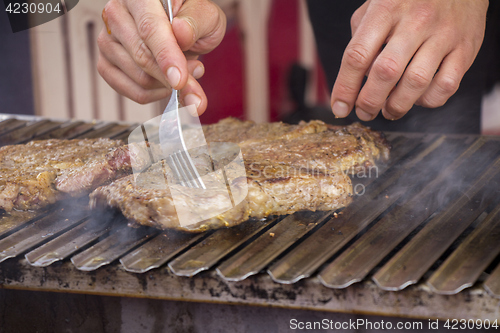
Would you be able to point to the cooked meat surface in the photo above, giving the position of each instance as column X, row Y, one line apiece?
column 289, row 168
column 36, row 174
column 271, row 190
column 313, row 145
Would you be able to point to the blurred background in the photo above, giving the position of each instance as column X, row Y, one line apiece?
column 266, row 69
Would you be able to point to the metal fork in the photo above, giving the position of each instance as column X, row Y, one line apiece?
column 171, row 138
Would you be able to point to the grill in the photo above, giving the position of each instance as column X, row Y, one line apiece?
column 421, row 229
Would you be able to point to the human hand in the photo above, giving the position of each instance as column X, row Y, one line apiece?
column 413, row 52
column 143, row 57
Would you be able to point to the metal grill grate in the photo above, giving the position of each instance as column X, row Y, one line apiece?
column 431, row 215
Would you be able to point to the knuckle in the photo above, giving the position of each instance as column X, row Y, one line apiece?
column 355, row 18
column 424, row 13
column 146, row 81
column 430, row 102
column 141, row 96
column 147, row 26
column 163, row 60
column 110, row 7
column 102, row 40
column 396, row 109
column 388, row 5
column 357, row 56
column 369, row 104
column 211, row 9
column 387, row 69
column 346, row 90
column 101, row 67
column 386, row 8
column 418, row 78
column 143, row 56
column 448, row 84
column 112, row 10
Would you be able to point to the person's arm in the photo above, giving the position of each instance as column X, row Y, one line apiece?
column 413, row 52
column 142, row 56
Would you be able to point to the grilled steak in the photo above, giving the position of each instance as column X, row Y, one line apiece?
column 313, row 145
column 271, row 190
column 33, row 175
column 289, row 168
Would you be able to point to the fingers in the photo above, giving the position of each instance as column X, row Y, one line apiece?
column 420, row 36
column 156, row 35
column 199, row 26
column 385, row 73
column 446, row 81
column 358, row 16
column 116, row 54
column 124, row 85
column 124, row 31
column 193, row 94
column 415, row 81
column 358, row 56
column 196, row 68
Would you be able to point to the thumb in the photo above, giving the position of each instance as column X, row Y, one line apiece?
column 199, row 26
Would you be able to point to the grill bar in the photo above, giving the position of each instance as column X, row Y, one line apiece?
column 28, row 132
column 68, row 243
column 112, row 247
column 38, row 232
column 69, row 130
column 306, row 258
column 215, row 247
column 470, row 259
column 268, row 246
column 12, row 124
column 10, row 222
column 492, row 284
column 412, row 261
column 359, row 259
column 107, row 131
column 158, row 251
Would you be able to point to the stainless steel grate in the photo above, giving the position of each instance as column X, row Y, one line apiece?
column 430, row 215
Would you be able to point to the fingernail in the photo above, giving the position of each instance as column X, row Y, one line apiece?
column 198, row 72
column 387, row 115
column 173, row 76
column 340, row 109
column 363, row 115
column 191, row 99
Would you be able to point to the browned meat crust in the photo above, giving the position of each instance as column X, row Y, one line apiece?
column 313, row 145
column 271, row 190
column 289, row 168
column 238, row 131
column 33, row 175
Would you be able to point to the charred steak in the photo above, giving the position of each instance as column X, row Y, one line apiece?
column 289, row 168
column 38, row 173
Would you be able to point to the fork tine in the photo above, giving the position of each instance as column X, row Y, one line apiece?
column 185, row 170
column 177, row 169
column 191, row 168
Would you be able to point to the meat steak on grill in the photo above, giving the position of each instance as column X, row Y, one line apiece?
column 313, row 145
column 276, row 190
column 289, row 168
column 38, row 173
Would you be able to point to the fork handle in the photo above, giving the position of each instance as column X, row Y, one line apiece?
column 167, row 5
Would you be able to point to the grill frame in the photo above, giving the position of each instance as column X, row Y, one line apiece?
column 417, row 301
column 309, row 294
